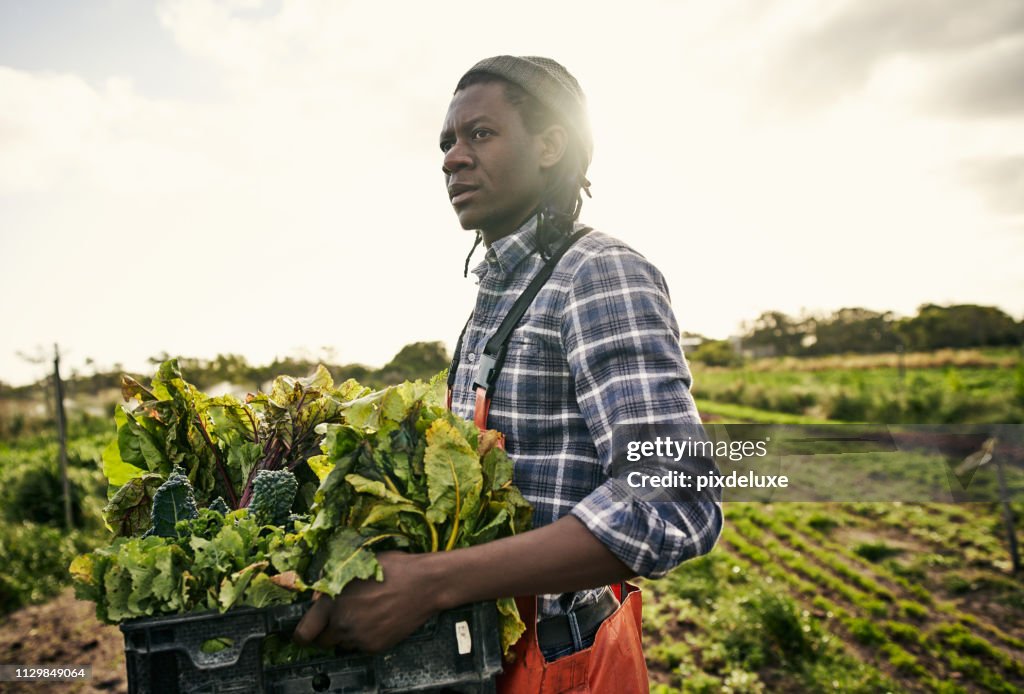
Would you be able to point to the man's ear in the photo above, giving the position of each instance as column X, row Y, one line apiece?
column 554, row 140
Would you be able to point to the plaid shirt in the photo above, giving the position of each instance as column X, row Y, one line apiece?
column 594, row 364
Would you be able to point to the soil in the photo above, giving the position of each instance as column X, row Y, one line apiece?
column 64, row 632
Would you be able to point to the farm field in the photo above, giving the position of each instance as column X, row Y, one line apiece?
column 811, row 596
column 968, row 386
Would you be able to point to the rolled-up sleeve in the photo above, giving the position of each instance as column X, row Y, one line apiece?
column 632, row 386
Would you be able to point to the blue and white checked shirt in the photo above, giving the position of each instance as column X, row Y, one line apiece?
column 594, row 364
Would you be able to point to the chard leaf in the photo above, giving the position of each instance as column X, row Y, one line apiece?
column 287, row 552
column 320, row 465
column 139, row 447
column 375, row 488
column 364, row 412
column 349, row 390
column 487, row 442
column 490, row 531
column 129, row 511
column 264, row 591
column 233, row 587
column 511, row 625
column 454, row 479
column 497, row 467
column 348, row 558
column 115, row 469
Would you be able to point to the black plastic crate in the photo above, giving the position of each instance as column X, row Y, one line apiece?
column 459, row 650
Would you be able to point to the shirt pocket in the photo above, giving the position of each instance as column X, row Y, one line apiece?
column 534, row 355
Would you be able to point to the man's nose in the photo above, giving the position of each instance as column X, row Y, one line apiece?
column 456, row 158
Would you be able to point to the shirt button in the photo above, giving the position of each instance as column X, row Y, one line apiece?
column 471, row 356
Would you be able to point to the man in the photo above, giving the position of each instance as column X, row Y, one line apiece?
column 592, row 366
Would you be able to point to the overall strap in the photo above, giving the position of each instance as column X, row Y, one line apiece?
column 493, row 357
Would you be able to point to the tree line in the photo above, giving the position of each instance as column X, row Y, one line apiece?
column 417, row 360
column 863, row 331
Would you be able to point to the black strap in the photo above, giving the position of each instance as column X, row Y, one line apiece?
column 493, row 358
column 455, row 357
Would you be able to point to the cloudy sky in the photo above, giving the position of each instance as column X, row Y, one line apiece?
column 263, row 178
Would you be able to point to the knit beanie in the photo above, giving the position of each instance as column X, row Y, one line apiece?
column 551, row 84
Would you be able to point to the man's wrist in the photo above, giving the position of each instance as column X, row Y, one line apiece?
column 441, row 586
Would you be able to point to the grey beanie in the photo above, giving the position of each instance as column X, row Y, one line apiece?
column 550, row 83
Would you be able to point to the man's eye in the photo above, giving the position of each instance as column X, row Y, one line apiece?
column 446, row 145
column 480, row 134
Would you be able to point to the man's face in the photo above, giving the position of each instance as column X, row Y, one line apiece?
column 492, row 165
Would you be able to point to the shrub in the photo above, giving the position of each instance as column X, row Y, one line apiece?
column 849, row 407
column 34, row 562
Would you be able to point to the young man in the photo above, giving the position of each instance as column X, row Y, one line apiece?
column 592, row 367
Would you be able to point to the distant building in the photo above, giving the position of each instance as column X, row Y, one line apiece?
column 753, row 352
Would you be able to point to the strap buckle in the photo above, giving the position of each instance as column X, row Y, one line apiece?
column 487, row 369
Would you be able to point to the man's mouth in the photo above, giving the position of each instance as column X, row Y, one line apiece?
column 459, row 193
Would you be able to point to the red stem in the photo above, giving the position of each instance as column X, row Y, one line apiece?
column 233, row 500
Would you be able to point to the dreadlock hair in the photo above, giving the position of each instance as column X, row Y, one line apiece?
column 563, row 199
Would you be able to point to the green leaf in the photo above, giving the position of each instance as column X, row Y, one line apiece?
column 233, row 587
column 348, row 558
column 129, row 511
column 173, row 502
column 454, row 478
column 288, row 552
column 115, row 469
column 488, row 532
column 263, row 592
column 375, row 488
column 497, row 467
column 510, row 623
column 320, row 465
column 139, row 447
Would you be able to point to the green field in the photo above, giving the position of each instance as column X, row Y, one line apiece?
column 861, row 597
column 950, row 394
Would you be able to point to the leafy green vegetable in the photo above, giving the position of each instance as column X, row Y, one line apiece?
column 173, row 501
column 272, row 496
column 221, row 443
column 408, row 474
column 319, row 478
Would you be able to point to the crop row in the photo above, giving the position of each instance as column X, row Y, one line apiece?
column 935, row 643
column 978, row 646
column 902, row 661
column 918, row 591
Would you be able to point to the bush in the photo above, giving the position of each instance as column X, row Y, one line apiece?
column 34, row 562
column 33, row 492
column 715, row 353
column 849, row 407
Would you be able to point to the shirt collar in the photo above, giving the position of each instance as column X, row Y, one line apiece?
column 505, row 254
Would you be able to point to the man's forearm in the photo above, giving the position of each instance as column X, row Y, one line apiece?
column 558, row 558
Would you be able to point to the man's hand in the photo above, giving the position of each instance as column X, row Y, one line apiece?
column 372, row 616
